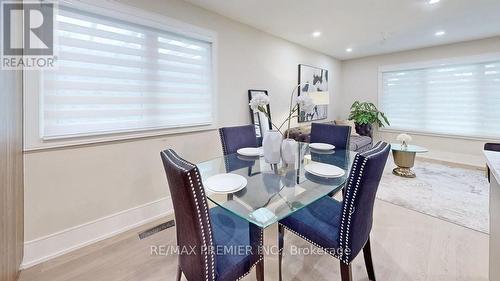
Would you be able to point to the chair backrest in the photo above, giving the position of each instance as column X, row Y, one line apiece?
column 359, row 198
column 234, row 138
column 492, row 146
column 332, row 134
column 192, row 219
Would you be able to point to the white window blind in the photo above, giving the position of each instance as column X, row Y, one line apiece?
column 117, row 76
column 460, row 100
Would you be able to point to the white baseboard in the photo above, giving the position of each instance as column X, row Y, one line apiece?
column 56, row 244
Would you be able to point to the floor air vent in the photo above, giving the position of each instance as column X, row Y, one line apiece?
column 156, row 229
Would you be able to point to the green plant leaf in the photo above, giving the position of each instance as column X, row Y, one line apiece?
column 367, row 113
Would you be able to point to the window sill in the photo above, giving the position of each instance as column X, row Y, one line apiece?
column 108, row 138
column 450, row 136
column 418, row 133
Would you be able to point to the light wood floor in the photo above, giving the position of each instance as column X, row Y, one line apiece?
column 407, row 245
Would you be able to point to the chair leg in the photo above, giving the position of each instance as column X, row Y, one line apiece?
column 345, row 272
column 179, row 273
column 259, row 268
column 488, row 173
column 281, row 237
column 367, row 253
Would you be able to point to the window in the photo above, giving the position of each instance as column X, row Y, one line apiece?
column 118, row 74
column 459, row 99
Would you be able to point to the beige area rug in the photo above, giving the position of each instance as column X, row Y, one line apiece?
column 450, row 192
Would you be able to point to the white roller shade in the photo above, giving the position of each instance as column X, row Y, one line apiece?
column 460, row 99
column 117, row 76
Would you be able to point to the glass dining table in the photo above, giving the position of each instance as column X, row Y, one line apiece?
column 276, row 191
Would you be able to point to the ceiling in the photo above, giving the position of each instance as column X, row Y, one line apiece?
column 368, row 27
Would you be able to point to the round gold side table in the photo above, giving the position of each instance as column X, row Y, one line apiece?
column 404, row 158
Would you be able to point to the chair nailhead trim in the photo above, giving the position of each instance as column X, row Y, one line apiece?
column 224, row 148
column 372, row 149
column 377, row 153
column 250, row 270
column 348, row 191
column 261, row 256
column 349, row 208
column 370, row 153
column 207, row 221
column 223, row 141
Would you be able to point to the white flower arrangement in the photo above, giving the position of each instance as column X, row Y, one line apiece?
column 305, row 103
column 404, row 139
column 259, row 101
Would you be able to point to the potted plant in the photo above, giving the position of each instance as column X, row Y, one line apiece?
column 364, row 115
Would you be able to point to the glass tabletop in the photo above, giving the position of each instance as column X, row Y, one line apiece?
column 409, row 148
column 274, row 192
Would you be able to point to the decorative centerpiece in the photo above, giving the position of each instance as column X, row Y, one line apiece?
column 273, row 144
column 404, row 139
column 364, row 115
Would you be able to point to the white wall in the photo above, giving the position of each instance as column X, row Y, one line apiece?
column 360, row 82
column 72, row 186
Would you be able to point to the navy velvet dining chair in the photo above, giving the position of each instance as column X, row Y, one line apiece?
column 214, row 234
column 234, row 138
column 331, row 134
column 342, row 229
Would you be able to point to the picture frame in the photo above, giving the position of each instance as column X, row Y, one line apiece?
column 318, row 79
column 261, row 122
